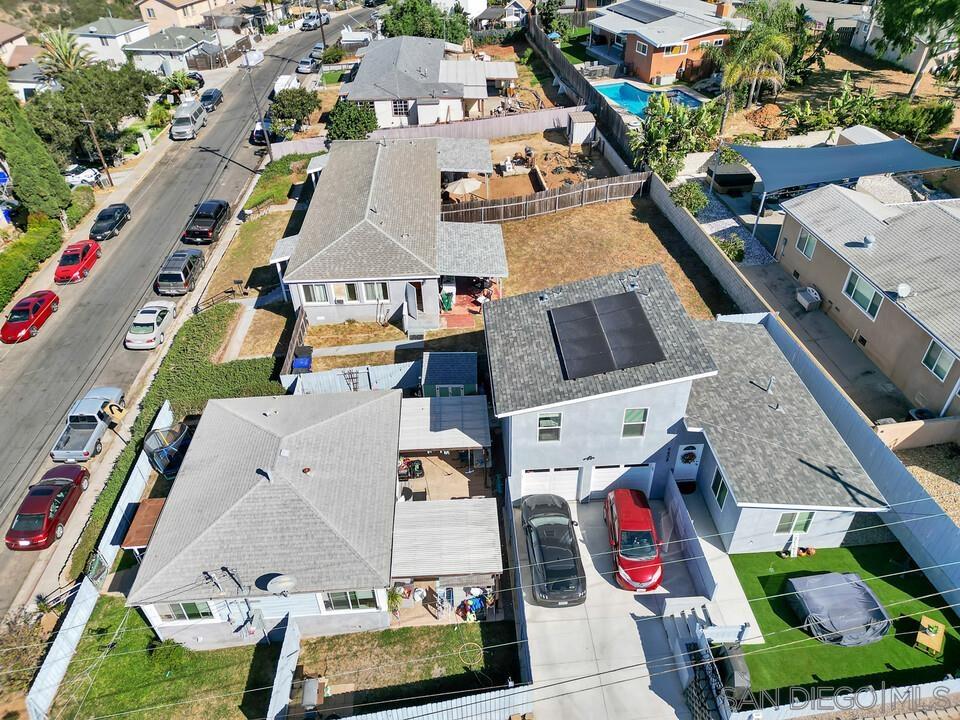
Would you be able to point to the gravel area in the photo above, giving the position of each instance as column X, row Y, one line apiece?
column 720, row 222
column 937, row 469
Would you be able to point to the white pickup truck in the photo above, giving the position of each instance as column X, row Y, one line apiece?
column 89, row 418
column 285, row 82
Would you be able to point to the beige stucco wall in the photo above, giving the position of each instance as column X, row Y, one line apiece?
column 164, row 16
column 893, row 340
column 6, row 49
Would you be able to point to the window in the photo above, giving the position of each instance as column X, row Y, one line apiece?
column 634, row 422
column 315, row 294
column 719, row 488
column 937, row 360
column 58, row 501
column 345, row 293
column 401, row 108
column 705, row 44
column 642, row 48
column 548, row 427
column 862, row 294
column 619, row 40
column 184, row 611
column 351, row 600
column 365, row 104
column 719, row 42
column 375, row 291
column 105, row 41
column 794, row 522
column 806, row 243
column 673, row 50
column 151, row 13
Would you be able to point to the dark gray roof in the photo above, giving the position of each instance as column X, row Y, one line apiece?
column 401, row 68
column 493, row 12
column 525, row 368
column 776, row 448
column 242, row 499
column 464, row 155
column 449, row 368
column 172, row 39
column 29, row 73
column 108, row 27
column 471, row 250
column 915, row 243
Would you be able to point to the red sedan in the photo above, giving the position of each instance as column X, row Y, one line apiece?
column 76, row 262
column 47, row 507
column 28, row 315
column 633, row 538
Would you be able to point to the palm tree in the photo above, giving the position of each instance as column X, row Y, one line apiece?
column 768, row 43
column 734, row 61
column 61, row 53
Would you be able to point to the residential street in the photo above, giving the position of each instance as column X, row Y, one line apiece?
column 81, row 346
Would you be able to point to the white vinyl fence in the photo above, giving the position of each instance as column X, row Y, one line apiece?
column 286, row 667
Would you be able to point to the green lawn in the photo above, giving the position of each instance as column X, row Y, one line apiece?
column 333, row 77
column 808, row 662
column 574, row 47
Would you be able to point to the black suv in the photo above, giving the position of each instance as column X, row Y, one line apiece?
column 207, row 222
column 553, row 551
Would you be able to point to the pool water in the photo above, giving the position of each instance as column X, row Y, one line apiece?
column 635, row 100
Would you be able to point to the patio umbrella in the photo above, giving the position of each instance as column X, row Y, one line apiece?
column 464, row 186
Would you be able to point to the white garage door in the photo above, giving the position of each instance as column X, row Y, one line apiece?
column 553, row 481
column 608, row 477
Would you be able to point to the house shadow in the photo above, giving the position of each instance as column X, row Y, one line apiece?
column 260, row 677
column 659, row 665
column 597, row 541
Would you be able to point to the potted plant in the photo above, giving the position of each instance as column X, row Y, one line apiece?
column 394, row 599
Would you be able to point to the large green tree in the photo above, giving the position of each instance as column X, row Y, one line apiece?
column 424, row 19
column 61, row 53
column 349, row 121
column 37, row 183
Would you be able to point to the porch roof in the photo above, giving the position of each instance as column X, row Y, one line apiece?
column 448, row 423
column 440, row 538
column 471, row 250
column 143, row 523
column 464, row 155
column 284, row 248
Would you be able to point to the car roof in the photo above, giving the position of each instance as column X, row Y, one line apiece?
column 77, row 246
column 38, row 295
column 633, row 509
column 63, row 472
column 209, row 205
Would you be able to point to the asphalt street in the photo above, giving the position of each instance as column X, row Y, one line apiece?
column 81, row 346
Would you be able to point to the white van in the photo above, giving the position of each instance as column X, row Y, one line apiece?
column 187, row 121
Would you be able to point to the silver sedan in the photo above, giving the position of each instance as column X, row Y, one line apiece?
column 148, row 328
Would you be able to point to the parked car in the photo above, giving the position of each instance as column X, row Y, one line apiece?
column 207, row 222
column 88, row 420
column 149, row 326
column 179, row 272
column 553, row 552
column 28, row 316
column 632, row 533
column 165, row 448
column 79, row 175
column 187, row 121
column 76, row 261
column 258, row 136
column 109, row 221
column 196, row 77
column 317, row 52
column 46, row 508
column 211, row 98
column 314, row 21
column 307, row 65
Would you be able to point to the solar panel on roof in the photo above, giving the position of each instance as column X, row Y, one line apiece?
column 641, row 11
column 609, row 333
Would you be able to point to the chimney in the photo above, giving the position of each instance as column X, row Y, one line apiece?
column 724, row 9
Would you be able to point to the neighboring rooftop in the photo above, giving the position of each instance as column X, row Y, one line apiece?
column 108, row 27
column 280, row 485
column 667, row 22
column 30, row 73
column 777, row 447
column 173, row 39
column 23, row 54
column 914, row 243
column 9, row 32
column 526, row 367
column 449, row 368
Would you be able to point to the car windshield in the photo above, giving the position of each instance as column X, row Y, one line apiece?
column 182, row 121
column 638, row 545
column 82, row 421
column 105, row 215
column 27, row 523
column 139, row 328
column 206, row 211
column 19, row 315
column 208, row 95
column 170, row 278
column 70, row 259
column 542, row 520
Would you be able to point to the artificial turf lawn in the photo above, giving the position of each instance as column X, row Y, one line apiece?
column 807, row 662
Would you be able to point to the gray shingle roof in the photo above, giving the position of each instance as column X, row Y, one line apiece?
column 172, row 39
column 401, row 68
column 449, row 368
column 108, row 26
column 776, row 448
column 464, row 155
column 525, row 368
column 916, row 243
column 471, row 249
column 242, row 499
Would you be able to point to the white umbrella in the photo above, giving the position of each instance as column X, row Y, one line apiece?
column 464, row 186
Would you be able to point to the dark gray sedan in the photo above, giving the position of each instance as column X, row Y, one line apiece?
column 109, row 221
column 211, row 98
column 553, row 552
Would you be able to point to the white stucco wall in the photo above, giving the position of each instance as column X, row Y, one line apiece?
column 112, row 52
column 328, row 313
column 152, row 62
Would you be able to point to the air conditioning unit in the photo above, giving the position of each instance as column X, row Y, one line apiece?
column 809, row 298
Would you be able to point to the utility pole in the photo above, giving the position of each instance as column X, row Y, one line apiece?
column 96, row 143
column 256, row 101
column 323, row 39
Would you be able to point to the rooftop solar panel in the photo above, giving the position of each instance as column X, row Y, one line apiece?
column 602, row 335
column 641, row 11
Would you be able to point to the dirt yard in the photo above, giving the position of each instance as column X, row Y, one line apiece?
column 269, row 331
column 248, row 257
column 937, row 468
column 535, row 79
column 551, row 154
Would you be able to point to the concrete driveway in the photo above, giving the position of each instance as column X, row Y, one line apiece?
column 615, row 641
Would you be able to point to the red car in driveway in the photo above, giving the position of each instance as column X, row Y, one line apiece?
column 76, row 262
column 47, row 507
column 28, row 315
column 633, row 538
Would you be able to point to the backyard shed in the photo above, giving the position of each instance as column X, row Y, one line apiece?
column 444, row 423
column 581, row 128
column 446, row 374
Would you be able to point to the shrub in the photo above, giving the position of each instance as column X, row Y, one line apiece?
column 732, row 247
column 158, row 116
column 691, row 196
column 81, row 203
column 915, row 121
column 168, row 655
column 271, row 29
column 349, row 121
column 23, row 256
column 332, row 55
column 294, row 104
column 499, row 36
column 273, row 186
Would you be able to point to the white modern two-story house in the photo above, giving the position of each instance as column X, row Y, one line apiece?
column 105, row 37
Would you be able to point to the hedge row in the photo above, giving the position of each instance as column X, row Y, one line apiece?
column 81, row 202
column 23, row 256
column 276, row 178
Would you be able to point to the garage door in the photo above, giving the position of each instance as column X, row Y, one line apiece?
column 608, row 477
column 553, row 481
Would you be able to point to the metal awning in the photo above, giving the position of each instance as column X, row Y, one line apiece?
column 442, row 538
column 444, row 423
column 464, row 155
column 284, row 249
column 471, row 250
column 317, row 163
column 143, row 523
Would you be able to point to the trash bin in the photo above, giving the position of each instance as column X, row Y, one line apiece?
column 302, row 359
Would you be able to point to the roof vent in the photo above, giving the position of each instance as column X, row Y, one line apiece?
column 284, row 452
column 904, row 290
column 307, row 471
column 869, row 240
column 269, row 413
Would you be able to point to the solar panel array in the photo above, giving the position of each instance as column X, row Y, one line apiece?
column 602, row 335
column 642, row 11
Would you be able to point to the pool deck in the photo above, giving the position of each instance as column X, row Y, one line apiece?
column 632, row 119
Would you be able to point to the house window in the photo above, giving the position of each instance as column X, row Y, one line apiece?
column 315, row 294
column 345, row 293
column 619, row 40
column 184, row 611
column 401, row 108
column 365, row 104
column 673, row 50
column 642, row 48
column 719, row 488
column 718, row 42
column 806, row 243
column 862, row 294
column 548, row 427
column 794, row 522
column 151, row 13
column 938, row 360
column 375, row 291
column 105, row 42
column 634, row 422
column 352, row 600
column 705, row 44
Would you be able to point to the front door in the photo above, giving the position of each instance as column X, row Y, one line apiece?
column 414, row 298
column 688, row 462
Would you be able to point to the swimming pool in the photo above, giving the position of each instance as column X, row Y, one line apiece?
column 635, row 100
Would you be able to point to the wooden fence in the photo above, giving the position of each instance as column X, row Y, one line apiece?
column 296, row 339
column 602, row 190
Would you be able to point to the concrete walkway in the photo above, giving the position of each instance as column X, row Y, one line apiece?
column 368, row 348
column 239, row 334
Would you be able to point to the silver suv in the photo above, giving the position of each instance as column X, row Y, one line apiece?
column 179, row 272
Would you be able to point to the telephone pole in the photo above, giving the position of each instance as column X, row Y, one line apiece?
column 96, row 143
column 263, row 124
column 323, row 39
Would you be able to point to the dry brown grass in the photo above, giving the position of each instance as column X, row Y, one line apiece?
column 269, row 331
column 331, row 362
column 937, row 468
column 351, row 333
column 604, row 238
column 248, row 257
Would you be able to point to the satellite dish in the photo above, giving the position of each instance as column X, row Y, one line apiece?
column 281, row 584
column 904, row 290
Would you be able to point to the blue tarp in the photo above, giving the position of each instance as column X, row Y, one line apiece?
column 781, row 168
